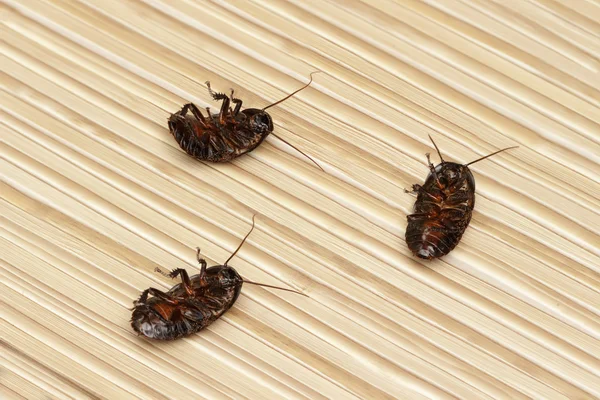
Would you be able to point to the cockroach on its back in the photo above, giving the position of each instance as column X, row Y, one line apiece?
column 191, row 305
column 227, row 135
column 443, row 208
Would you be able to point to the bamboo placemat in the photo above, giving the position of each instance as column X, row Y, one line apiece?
column 96, row 194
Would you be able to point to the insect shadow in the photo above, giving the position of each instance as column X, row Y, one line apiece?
column 230, row 133
column 443, row 208
column 193, row 304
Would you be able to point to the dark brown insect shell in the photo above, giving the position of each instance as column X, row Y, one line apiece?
column 227, row 135
column 191, row 305
column 443, row 208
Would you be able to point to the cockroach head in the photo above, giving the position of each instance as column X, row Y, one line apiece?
column 259, row 121
column 228, row 277
column 450, row 173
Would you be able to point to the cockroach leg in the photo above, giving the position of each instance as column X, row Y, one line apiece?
column 224, row 106
column 415, row 189
column 156, row 293
column 203, row 265
column 238, row 104
column 432, row 197
column 185, row 278
column 196, row 113
column 429, row 163
column 183, row 110
column 143, row 297
column 224, row 110
column 212, row 118
column 432, row 169
column 213, row 94
column 201, row 261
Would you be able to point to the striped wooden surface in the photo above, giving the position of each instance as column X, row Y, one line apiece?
column 95, row 194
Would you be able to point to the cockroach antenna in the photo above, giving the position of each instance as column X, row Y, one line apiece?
column 285, row 141
column 472, row 162
column 298, row 150
column 293, row 93
column 241, row 244
column 438, row 150
column 489, row 155
column 256, row 283
column 275, row 287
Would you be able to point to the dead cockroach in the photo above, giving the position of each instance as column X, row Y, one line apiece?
column 191, row 305
column 230, row 133
column 443, row 208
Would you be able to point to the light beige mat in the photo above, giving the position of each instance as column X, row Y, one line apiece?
column 95, row 194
